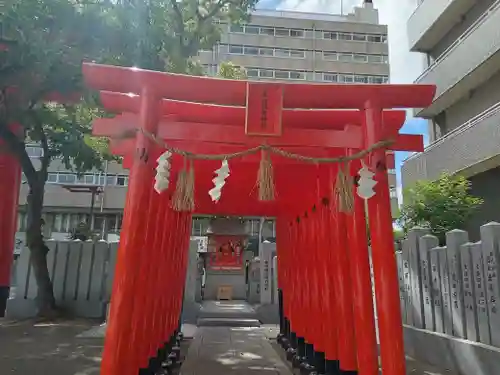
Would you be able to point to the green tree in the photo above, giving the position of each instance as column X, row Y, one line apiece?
column 231, row 71
column 42, row 46
column 440, row 205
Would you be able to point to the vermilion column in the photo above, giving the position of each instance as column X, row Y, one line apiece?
column 10, row 179
column 118, row 356
column 144, row 311
column 332, row 321
column 364, row 321
column 344, row 297
column 161, row 288
column 383, row 254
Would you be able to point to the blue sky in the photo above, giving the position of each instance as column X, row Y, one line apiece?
column 405, row 66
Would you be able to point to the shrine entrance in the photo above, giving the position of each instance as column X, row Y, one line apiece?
column 307, row 154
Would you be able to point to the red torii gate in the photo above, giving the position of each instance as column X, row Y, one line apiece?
column 325, row 292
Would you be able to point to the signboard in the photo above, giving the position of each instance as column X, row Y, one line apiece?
column 202, row 243
column 268, row 250
column 20, row 243
column 264, row 106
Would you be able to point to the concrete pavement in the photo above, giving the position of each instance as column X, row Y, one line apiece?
column 231, row 351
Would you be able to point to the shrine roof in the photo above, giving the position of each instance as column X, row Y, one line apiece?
column 234, row 92
column 181, row 111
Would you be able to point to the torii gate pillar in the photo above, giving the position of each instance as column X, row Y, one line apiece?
column 383, row 252
column 10, row 172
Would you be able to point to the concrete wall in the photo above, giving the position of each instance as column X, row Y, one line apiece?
column 450, row 300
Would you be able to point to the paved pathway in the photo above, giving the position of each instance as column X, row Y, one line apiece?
column 231, row 351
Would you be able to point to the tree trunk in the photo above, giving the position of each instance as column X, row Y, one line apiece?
column 45, row 297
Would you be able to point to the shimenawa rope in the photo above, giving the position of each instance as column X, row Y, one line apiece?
column 183, row 199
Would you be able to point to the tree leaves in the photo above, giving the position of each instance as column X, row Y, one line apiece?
column 49, row 39
column 440, row 205
column 229, row 70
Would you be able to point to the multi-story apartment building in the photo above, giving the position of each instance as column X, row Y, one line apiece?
column 460, row 40
column 274, row 45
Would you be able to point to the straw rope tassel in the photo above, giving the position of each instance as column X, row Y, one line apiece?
column 183, row 199
column 343, row 190
column 265, row 178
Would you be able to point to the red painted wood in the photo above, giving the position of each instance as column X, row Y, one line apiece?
column 263, row 109
column 332, row 119
column 231, row 92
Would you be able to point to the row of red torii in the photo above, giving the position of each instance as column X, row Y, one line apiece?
column 326, row 305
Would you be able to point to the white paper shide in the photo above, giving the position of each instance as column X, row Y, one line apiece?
column 162, row 178
column 219, row 181
column 366, row 183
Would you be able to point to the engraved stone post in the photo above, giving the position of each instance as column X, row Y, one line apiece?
column 399, row 260
column 407, row 282
column 426, row 243
column 468, row 291
column 454, row 239
column 490, row 238
column 436, row 290
column 416, row 277
column 480, row 294
column 192, row 272
column 445, row 289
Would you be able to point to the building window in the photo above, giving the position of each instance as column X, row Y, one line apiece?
column 252, row 72
column 282, row 74
column 112, row 223
column 302, row 33
column 375, row 38
column 330, row 77
column 375, row 58
column 282, row 32
column 267, row 31
column 266, row 51
column 345, row 36
column 265, row 73
column 236, row 29
column 251, row 30
column 236, row 49
column 345, row 57
column 359, row 37
column 297, row 75
column 360, row 79
column 52, row 178
column 296, row 33
column 251, row 50
column 299, row 54
column 360, row 58
column 66, row 178
column 122, row 180
column 330, row 55
column 34, row 151
column 329, row 35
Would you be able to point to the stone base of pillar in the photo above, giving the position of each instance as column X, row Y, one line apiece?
column 332, row 367
column 4, row 296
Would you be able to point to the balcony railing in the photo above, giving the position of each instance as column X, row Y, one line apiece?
column 432, row 19
column 471, row 143
column 478, row 43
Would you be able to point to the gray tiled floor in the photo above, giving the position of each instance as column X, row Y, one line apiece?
column 231, row 351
